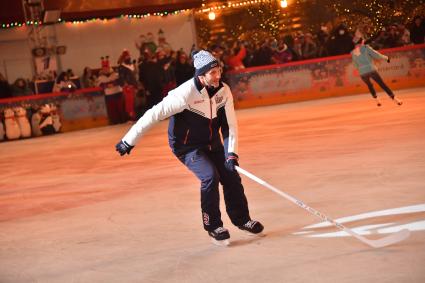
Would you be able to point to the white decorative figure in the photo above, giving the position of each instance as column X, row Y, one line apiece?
column 22, row 119
column 13, row 131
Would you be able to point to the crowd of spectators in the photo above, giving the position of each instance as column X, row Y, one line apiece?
column 158, row 68
column 20, row 87
column 328, row 41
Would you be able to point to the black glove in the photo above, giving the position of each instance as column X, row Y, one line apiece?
column 388, row 59
column 231, row 161
column 123, row 147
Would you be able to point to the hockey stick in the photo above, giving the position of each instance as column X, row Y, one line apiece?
column 378, row 243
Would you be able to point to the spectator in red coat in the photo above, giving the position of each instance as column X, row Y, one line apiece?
column 235, row 60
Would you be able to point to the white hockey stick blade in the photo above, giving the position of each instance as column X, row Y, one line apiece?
column 378, row 243
column 388, row 240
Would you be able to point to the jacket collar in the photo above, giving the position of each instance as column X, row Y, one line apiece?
column 198, row 84
column 211, row 91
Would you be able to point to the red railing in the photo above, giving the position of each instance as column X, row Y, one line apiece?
column 48, row 95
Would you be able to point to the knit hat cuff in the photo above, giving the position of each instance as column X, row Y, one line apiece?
column 206, row 68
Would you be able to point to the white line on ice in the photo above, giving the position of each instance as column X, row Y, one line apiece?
column 393, row 211
column 366, row 230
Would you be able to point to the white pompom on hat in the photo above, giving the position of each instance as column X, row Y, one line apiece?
column 203, row 62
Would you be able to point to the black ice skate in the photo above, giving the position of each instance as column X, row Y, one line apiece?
column 252, row 227
column 220, row 236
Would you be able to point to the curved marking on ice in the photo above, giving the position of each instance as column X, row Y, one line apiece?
column 366, row 230
column 393, row 211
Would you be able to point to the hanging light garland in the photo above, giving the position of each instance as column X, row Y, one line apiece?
column 204, row 9
column 231, row 4
column 16, row 24
column 104, row 20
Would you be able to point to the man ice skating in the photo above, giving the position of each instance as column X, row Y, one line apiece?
column 363, row 56
column 199, row 110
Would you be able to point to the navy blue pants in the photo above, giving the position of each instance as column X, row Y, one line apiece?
column 209, row 168
column 377, row 78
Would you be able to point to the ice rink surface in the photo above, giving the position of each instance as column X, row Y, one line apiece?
column 73, row 210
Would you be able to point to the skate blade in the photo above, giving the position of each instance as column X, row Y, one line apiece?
column 222, row 243
column 261, row 234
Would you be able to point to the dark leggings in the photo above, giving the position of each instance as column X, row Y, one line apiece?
column 377, row 78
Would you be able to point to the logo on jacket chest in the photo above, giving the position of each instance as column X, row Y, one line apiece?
column 218, row 99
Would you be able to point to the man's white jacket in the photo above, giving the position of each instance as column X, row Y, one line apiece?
column 197, row 117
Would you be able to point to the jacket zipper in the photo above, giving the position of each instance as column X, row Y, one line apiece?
column 186, row 137
column 210, row 146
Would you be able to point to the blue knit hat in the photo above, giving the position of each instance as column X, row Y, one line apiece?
column 203, row 62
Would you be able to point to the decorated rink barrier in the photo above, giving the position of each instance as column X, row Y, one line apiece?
column 324, row 77
column 266, row 85
column 44, row 114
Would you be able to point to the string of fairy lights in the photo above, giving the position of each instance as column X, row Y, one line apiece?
column 77, row 22
column 204, row 9
column 230, row 4
column 377, row 10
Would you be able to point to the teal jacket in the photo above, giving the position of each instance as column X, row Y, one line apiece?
column 364, row 61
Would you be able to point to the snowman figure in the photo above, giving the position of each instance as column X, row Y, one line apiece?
column 13, row 131
column 22, row 119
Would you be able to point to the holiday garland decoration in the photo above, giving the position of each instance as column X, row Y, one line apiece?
column 234, row 4
column 267, row 14
column 230, row 4
column 75, row 22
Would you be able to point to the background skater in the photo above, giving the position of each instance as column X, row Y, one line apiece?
column 199, row 110
column 363, row 56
